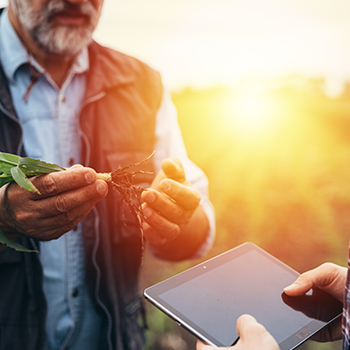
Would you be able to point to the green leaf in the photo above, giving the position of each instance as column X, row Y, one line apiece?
column 15, row 168
column 37, row 167
column 14, row 245
column 4, row 179
column 9, row 158
column 8, row 161
column 29, row 166
column 22, row 180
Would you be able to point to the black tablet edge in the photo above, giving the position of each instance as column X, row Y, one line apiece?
column 182, row 323
column 308, row 331
column 213, row 263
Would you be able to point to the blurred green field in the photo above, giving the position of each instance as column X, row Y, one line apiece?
column 278, row 163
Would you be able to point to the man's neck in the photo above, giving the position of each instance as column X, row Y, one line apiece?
column 56, row 66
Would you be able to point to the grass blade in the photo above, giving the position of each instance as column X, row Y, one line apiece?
column 16, row 168
column 8, row 161
column 9, row 158
column 4, row 179
column 22, row 180
column 14, row 245
column 37, row 167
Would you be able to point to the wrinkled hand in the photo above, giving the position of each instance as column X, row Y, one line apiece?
column 252, row 336
column 66, row 198
column 330, row 278
column 169, row 204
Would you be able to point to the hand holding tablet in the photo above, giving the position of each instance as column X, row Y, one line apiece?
column 252, row 336
column 209, row 298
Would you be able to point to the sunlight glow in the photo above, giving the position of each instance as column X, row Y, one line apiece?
column 253, row 111
column 219, row 42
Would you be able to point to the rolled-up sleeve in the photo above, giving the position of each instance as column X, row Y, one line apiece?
column 170, row 144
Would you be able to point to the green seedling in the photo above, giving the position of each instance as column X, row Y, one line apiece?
column 18, row 169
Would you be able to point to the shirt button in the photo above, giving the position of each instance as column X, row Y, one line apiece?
column 70, row 161
column 63, row 98
column 75, row 292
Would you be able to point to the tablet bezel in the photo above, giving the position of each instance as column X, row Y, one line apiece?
column 152, row 294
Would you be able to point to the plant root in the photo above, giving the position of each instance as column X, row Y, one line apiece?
column 122, row 182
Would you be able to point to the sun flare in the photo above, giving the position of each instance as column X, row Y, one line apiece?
column 252, row 110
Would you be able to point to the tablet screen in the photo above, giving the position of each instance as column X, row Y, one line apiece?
column 209, row 298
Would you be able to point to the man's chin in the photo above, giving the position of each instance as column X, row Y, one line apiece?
column 66, row 42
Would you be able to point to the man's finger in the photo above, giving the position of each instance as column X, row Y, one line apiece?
column 173, row 169
column 300, row 287
column 185, row 196
column 253, row 335
column 324, row 277
column 54, row 227
column 159, row 224
column 245, row 322
column 62, row 181
column 167, row 207
column 66, row 201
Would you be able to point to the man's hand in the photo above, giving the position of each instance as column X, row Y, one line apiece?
column 329, row 277
column 171, row 207
column 169, row 203
column 66, row 198
column 252, row 336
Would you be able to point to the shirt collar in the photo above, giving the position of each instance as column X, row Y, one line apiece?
column 13, row 54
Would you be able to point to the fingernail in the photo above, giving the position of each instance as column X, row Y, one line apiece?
column 150, row 197
column 165, row 186
column 101, row 188
column 291, row 287
column 147, row 212
column 89, row 177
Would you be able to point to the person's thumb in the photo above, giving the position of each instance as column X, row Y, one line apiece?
column 173, row 169
column 300, row 287
column 328, row 277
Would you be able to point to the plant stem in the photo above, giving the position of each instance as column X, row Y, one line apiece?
column 104, row 176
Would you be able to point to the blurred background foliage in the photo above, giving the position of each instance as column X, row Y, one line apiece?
column 277, row 156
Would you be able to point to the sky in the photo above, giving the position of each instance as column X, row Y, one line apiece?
column 207, row 42
column 201, row 43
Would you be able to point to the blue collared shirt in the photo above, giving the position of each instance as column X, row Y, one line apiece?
column 51, row 133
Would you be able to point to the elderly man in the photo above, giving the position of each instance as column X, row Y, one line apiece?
column 67, row 100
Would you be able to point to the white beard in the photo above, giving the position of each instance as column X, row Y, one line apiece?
column 56, row 39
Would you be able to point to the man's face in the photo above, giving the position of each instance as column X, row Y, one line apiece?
column 59, row 27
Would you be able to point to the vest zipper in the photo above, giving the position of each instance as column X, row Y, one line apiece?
column 14, row 119
column 92, row 99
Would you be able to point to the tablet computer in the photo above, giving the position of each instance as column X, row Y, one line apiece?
column 208, row 299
